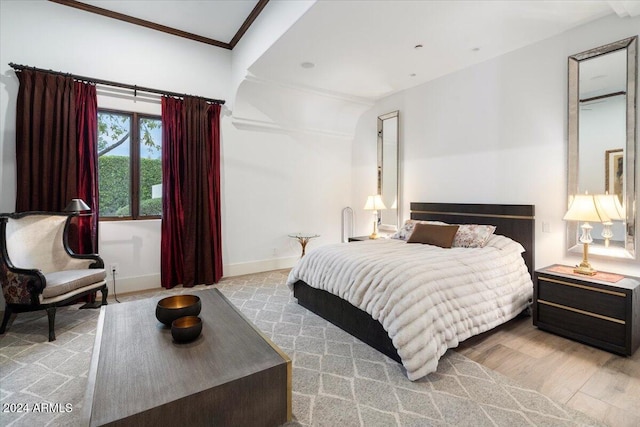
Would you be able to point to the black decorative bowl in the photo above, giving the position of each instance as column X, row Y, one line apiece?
column 186, row 328
column 172, row 308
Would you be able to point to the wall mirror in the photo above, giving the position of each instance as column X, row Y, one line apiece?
column 388, row 181
column 602, row 141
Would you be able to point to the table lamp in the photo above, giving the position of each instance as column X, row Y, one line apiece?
column 610, row 205
column 374, row 203
column 583, row 208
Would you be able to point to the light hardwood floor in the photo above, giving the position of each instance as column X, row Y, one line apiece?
column 600, row 384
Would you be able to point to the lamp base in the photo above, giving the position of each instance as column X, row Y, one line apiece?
column 585, row 269
column 374, row 234
column 585, row 266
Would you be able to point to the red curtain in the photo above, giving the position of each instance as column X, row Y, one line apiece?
column 191, row 249
column 46, row 145
column 87, row 127
column 171, row 257
column 56, row 131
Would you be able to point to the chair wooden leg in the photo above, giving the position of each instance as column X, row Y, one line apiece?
column 5, row 318
column 51, row 314
column 105, row 292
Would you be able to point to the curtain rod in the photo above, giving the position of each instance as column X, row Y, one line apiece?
column 135, row 88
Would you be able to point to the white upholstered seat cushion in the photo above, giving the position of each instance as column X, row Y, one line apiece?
column 63, row 282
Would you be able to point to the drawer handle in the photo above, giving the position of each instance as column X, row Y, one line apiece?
column 577, row 310
column 590, row 288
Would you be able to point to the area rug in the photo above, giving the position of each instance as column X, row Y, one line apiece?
column 337, row 380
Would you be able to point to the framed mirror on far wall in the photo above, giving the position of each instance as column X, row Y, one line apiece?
column 388, row 178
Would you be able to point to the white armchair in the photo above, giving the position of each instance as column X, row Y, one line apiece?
column 38, row 271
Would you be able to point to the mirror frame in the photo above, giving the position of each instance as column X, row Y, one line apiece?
column 631, row 45
column 380, row 159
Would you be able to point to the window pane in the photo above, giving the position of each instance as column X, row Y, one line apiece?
column 114, row 174
column 150, row 138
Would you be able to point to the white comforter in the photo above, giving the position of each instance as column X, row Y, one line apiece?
column 427, row 298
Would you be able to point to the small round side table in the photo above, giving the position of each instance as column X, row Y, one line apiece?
column 303, row 238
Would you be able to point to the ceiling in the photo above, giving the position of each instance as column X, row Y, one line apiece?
column 371, row 49
column 212, row 20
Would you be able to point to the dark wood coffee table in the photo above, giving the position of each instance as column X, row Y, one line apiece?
column 232, row 375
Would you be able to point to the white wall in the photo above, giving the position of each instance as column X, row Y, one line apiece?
column 492, row 133
column 273, row 183
column 276, row 184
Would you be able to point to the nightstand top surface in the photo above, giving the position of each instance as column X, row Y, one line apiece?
column 628, row 282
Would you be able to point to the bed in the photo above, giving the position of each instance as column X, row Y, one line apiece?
column 366, row 322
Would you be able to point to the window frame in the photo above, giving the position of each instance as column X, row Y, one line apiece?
column 134, row 166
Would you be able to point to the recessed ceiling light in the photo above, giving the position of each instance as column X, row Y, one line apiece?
column 475, row 49
column 412, row 75
column 307, row 65
column 418, row 46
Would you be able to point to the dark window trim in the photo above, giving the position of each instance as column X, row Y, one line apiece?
column 134, row 166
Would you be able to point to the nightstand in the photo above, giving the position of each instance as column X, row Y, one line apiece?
column 596, row 310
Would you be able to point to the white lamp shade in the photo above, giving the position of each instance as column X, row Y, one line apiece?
column 583, row 208
column 374, row 203
column 610, row 205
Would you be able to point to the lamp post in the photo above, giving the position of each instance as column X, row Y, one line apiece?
column 374, row 203
column 584, row 207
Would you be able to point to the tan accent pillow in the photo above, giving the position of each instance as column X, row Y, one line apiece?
column 437, row 235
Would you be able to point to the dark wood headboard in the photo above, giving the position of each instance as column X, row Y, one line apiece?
column 514, row 221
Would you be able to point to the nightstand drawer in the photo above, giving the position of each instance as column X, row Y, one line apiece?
column 583, row 297
column 593, row 330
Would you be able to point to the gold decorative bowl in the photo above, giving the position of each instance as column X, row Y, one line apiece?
column 186, row 328
column 172, row 308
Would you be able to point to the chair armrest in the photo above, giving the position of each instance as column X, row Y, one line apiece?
column 97, row 260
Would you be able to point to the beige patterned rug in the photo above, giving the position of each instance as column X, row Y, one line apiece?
column 337, row 380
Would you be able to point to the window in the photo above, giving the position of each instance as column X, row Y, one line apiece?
column 129, row 165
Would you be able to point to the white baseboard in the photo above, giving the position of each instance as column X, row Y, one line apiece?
column 127, row 285
column 239, row 269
